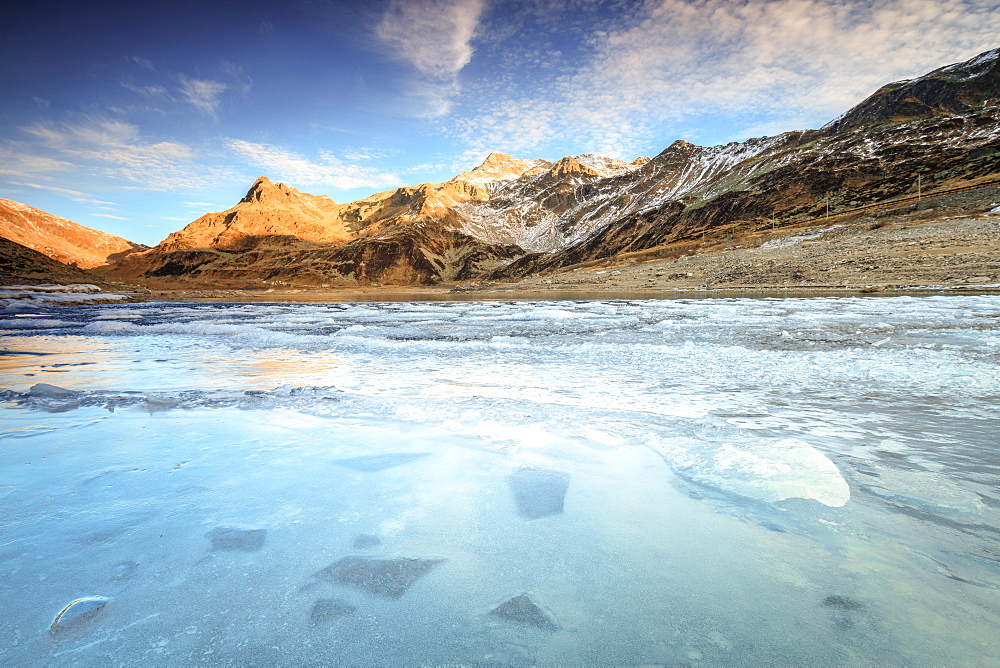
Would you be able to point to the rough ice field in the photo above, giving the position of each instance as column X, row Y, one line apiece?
column 718, row 481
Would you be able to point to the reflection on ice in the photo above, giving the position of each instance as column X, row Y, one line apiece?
column 728, row 482
column 537, row 492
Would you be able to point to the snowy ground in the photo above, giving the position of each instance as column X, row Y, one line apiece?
column 718, row 481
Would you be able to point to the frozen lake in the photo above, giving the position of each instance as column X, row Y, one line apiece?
column 718, row 481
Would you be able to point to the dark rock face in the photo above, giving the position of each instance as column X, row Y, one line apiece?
column 389, row 578
column 522, row 610
column 538, row 492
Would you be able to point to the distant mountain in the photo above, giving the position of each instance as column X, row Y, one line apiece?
column 511, row 217
column 59, row 238
column 424, row 234
column 268, row 210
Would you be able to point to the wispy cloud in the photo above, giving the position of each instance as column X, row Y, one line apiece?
column 435, row 37
column 108, row 215
column 148, row 92
column 778, row 62
column 16, row 161
column 198, row 205
column 74, row 195
column 114, row 148
column 202, row 94
column 299, row 171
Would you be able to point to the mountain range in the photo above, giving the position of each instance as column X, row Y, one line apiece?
column 512, row 217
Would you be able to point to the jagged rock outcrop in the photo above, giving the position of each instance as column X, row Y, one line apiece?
column 268, row 210
column 58, row 238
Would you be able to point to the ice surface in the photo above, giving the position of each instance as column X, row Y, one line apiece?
column 745, row 482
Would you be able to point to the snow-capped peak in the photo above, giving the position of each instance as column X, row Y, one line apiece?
column 502, row 167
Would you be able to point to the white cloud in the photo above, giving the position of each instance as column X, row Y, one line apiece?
column 435, row 37
column 74, row 195
column 114, row 148
column 778, row 62
column 299, row 171
column 202, row 94
column 15, row 161
column 89, row 130
column 149, row 92
column 108, row 215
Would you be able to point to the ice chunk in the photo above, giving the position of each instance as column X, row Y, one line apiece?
column 244, row 540
column 764, row 469
column 522, row 610
column 79, row 614
column 373, row 463
column 382, row 577
column 327, row 609
column 538, row 492
column 44, row 390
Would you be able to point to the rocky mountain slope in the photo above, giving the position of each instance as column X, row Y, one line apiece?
column 20, row 265
column 514, row 217
column 269, row 210
column 688, row 193
column 58, row 238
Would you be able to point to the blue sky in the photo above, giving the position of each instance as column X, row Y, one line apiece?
column 136, row 118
